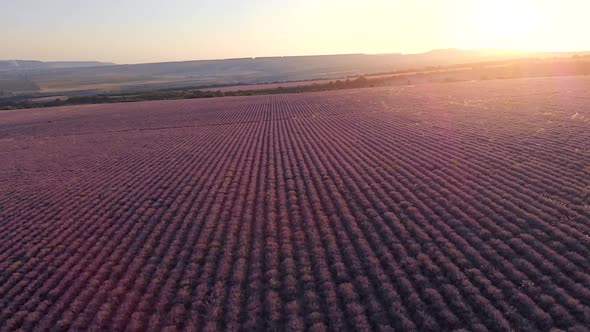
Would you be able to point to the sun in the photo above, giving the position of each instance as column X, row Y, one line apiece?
column 504, row 23
column 507, row 18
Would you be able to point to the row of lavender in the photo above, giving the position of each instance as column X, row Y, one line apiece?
column 333, row 211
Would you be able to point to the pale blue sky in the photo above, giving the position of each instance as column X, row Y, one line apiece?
column 132, row 31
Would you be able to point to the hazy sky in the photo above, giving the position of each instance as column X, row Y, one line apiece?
column 131, row 31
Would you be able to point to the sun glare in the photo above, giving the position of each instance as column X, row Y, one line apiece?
column 505, row 23
column 507, row 18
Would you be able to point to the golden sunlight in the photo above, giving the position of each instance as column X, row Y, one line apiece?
column 504, row 24
column 507, row 18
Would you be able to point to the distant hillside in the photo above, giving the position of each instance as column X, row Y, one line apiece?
column 8, row 65
column 52, row 78
column 17, row 86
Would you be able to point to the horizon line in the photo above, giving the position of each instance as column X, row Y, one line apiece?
column 311, row 55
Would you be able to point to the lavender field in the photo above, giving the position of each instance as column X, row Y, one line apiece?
column 418, row 208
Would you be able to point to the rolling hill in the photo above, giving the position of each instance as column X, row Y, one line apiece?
column 56, row 77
